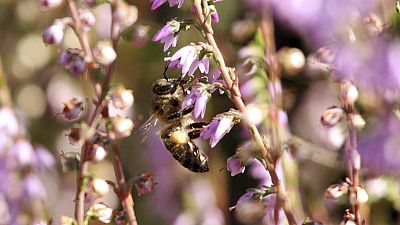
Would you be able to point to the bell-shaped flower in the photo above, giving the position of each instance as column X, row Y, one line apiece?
column 220, row 125
column 191, row 57
column 168, row 35
column 158, row 3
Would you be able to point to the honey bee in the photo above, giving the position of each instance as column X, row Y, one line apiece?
column 177, row 135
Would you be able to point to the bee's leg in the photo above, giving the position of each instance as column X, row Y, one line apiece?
column 194, row 133
column 180, row 114
column 199, row 124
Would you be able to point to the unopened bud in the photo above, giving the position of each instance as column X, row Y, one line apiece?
column 70, row 161
column 125, row 15
column 87, row 19
column 292, row 60
column 358, row 196
column 54, row 34
column 243, row 30
column 73, row 109
column 98, row 188
column 122, row 127
column 122, row 98
column 336, row 190
column 49, row 4
column 101, row 212
column 104, row 53
column 332, row 116
column 348, row 93
column 72, row 60
column 97, row 153
column 140, row 34
column 357, row 120
column 78, row 66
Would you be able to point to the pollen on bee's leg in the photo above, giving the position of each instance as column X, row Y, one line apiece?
column 180, row 137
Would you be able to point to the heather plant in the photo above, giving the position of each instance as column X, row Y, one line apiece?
column 240, row 112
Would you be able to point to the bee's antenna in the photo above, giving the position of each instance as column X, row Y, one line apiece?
column 165, row 70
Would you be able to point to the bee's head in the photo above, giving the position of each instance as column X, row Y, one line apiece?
column 164, row 87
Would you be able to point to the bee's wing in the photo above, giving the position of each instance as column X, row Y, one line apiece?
column 150, row 125
column 303, row 149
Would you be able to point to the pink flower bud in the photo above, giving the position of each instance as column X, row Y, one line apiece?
column 357, row 120
column 122, row 98
column 87, row 19
column 348, row 93
column 140, row 34
column 54, row 34
column 78, row 66
column 49, row 4
column 358, row 196
column 73, row 109
column 96, row 188
column 235, row 165
column 104, row 53
column 332, row 116
column 122, row 127
column 97, row 153
column 65, row 59
column 336, row 190
column 292, row 60
column 125, row 15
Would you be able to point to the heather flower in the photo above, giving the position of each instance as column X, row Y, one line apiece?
column 101, row 212
column 121, row 98
column 168, row 35
column 158, row 3
column 21, row 154
column 220, row 125
column 73, row 109
column 198, row 97
column 49, row 4
column 122, row 127
column 189, row 59
column 235, row 165
column 54, row 34
column 87, row 19
column 104, row 53
column 9, row 124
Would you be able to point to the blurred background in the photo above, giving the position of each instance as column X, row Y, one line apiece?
column 38, row 88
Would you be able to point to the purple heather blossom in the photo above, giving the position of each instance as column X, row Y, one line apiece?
column 188, row 59
column 216, row 130
column 235, row 165
column 21, row 154
column 33, row 187
column 198, row 97
column 158, row 3
column 168, row 35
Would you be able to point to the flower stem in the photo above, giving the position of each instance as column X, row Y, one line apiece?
column 228, row 76
column 124, row 194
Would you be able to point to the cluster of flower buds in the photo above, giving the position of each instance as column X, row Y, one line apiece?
column 72, row 60
column 333, row 115
column 357, row 194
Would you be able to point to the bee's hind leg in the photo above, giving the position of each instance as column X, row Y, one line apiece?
column 197, row 128
column 180, row 114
